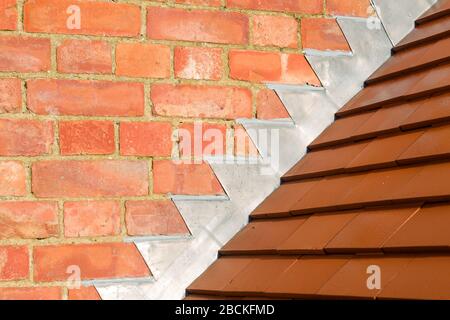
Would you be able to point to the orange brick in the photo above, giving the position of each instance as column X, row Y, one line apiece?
column 43, row 293
column 198, row 63
column 211, row 3
column 84, row 293
column 143, row 60
column 202, row 139
column 99, row 178
column 20, row 137
column 146, row 138
column 197, row 25
column 23, row 54
column 201, row 101
column 84, row 56
column 243, row 144
column 85, row 97
column 91, row 218
column 269, row 106
column 299, row 6
column 154, row 218
column 97, row 17
column 28, row 220
column 323, row 34
column 255, row 66
column 297, row 70
column 259, row 66
column 96, row 261
column 8, row 14
column 277, row 31
column 12, row 179
column 358, row 8
column 187, row 179
column 10, row 95
column 86, row 137
column 14, row 263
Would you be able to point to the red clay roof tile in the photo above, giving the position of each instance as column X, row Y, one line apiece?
column 372, row 192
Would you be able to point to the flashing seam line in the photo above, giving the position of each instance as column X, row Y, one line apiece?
column 292, row 87
column 120, row 281
column 327, row 53
column 267, row 123
column 361, row 19
column 139, row 239
column 199, row 198
column 231, row 159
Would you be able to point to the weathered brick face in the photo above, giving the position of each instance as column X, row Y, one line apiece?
column 93, row 97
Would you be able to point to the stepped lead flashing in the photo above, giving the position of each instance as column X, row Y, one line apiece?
column 174, row 273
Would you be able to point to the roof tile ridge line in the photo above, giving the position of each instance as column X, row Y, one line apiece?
column 431, row 17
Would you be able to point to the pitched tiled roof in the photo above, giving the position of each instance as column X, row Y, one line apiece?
column 374, row 189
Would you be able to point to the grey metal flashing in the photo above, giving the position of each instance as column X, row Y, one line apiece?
column 292, row 88
column 278, row 123
column 121, row 281
column 175, row 263
column 155, row 238
column 199, row 198
column 398, row 16
column 327, row 53
column 344, row 76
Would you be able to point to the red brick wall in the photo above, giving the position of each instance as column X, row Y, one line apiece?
column 88, row 119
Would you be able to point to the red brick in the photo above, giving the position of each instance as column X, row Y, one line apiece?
column 297, row 70
column 12, row 179
column 86, row 98
column 197, row 25
column 146, row 138
column 84, row 293
column 8, row 14
column 14, row 263
column 211, row 3
column 299, row 6
column 201, row 101
column 154, row 218
column 269, row 106
column 243, row 144
column 277, row 31
column 198, row 63
column 20, row 137
column 91, row 218
column 358, row 8
column 261, row 66
column 255, row 66
column 28, row 220
column 96, row 261
column 23, row 293
column 84, row 56
column 202, row 139
column 97, row 17
column 10, row 95
column 23, row 54
column 187, row 179
column 86, row 137
column 323, row 34
column 89, row 178
column 143, row 60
